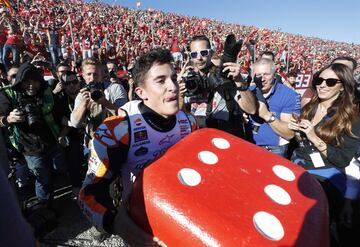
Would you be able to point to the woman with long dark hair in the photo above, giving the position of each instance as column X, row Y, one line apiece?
column 330, row 129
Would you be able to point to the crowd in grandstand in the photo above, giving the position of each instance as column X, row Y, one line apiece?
column 80, row 63
column 114, row 32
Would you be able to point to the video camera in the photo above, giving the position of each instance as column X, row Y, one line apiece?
column 95, row 89
column 195, row 84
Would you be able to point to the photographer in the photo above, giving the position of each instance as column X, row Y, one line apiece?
column 276, row 103
column 70, row 138
column 94, row 103
column 221, row 87
column 58, row 84
column 113, row 74
column 26, row 110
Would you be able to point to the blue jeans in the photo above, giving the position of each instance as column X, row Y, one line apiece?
column 41, row 166
column 8, row 48
column 1, row 53
column 279, row 150
column 54, row 52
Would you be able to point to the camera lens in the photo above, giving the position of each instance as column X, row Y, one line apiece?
column 191, row 85
column 96, row 95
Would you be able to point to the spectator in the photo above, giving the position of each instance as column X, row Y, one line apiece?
column 86, row 45
column 69, row 137
column 290, row 81
column 276, row 102
column 61, row 70
column 2, row 39
column 268, row 55
column 54, row 39
column 349, row 62
column 11, row 74
column 12, row 46
column 156, row 85
column 2, row 72
column 331, row 124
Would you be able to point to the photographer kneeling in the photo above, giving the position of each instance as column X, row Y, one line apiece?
column 220, row 87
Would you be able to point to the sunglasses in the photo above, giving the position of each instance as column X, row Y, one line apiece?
column 203, row 53
column 67, row 83
column 330, row 82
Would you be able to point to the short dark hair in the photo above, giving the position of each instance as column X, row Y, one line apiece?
column 201, row 38
column 112, row 61
column 354, row 63
column 62, row 65
column 268, row 53
column 292, row 74
column 144, row 63
column 69, row 73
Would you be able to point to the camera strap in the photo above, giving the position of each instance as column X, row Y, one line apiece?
column 209, row 104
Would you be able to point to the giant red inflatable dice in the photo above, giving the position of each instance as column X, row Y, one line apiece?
column 214, row 189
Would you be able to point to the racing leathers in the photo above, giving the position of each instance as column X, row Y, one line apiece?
column 123, row 146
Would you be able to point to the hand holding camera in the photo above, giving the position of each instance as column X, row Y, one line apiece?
column 58, row 88
column 95, row 89
column 85, row 96
column 15, row 116
column 258, row 80
column 29, row 109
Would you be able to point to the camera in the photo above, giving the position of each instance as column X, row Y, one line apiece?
column 113, row 74
column 95, row 89
column 31, row 110
column 258, row 81
column 195, row 84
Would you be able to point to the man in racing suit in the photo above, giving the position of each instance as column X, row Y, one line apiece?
column 126, row 144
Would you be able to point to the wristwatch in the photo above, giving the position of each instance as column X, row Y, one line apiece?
column 271, row 119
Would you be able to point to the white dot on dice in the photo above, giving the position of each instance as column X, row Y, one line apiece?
column 283, row 173
column 277, row 194
column 268, row 225
column 189, row 177
column 208, row 157
column 220, row 143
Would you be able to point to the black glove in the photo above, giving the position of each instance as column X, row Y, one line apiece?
column 231, row 49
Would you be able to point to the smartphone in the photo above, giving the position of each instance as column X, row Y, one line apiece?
column 258, row 81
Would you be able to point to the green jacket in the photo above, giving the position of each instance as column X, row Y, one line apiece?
column 46, row 109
